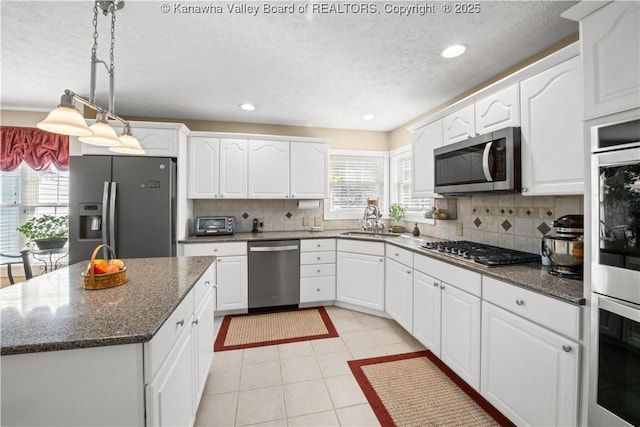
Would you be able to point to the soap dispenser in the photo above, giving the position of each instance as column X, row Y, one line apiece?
column 255, row 226
column 416, row 230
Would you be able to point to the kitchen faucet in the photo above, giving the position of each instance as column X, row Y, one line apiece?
column 371, row 221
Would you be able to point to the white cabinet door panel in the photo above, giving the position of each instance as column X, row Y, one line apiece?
column 399, row 293
column 528, row 372
column 423, row 142
column 499, row 110
column 360, row 280
column 204, row 157
column 460, row 125
column 309, row 170
column 232, row 283
column 268, row 169
column 233, row 168
column 426, row 311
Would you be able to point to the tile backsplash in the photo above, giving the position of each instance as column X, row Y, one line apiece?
column 509, row 221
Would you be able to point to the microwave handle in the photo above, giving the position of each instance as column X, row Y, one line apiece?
column 485, row 161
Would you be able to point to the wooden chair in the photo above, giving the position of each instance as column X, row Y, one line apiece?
column 24, row 259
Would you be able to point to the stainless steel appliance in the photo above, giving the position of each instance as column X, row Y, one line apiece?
column 274, row 274
column 128, row 203
column 482, row 164
column 215, row 225
column 564, row 246
column 479, row 253
column 614, row 384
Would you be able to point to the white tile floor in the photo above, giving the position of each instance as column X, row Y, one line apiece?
column 305, row 383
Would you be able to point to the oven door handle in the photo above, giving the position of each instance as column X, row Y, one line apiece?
column 485, row 161
column 621, row 308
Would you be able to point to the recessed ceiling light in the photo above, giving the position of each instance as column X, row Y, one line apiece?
column 368, row 117
column 454, row 50
column 247, row 107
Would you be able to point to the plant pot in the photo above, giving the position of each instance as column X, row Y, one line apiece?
column 397, row 229
column 44, row 244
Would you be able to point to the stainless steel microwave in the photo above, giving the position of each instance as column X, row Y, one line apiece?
column 483, row 164
column 215, row 225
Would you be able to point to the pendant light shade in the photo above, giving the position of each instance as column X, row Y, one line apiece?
column 65, row 119
column 130, row 144
column 103, row 133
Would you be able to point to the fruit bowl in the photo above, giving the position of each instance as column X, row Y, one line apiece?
column 93, row 280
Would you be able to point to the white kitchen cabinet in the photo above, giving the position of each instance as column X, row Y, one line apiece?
column 170, row 394
column 204, row 156
column 426, row 311
column 233, row 168
column 552, row 131
column 399, row 286
column 232, row 281
column 611, row 59
column 203, row 337
column 317, row 270
column 460, row 335
column 460, row 125
column 217, row 168
column 360, row 274
column 309, row 170
column 529, row 373
column 423, row 141
column 447, row 315
column 268, row 169
column 498, row 110
column 157, row 139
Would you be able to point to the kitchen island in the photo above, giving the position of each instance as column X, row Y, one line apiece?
column 72, row 356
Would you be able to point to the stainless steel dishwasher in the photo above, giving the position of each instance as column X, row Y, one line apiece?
column 274, row 274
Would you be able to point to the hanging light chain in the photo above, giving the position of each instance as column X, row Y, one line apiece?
column 113, row 38
column 94, row 49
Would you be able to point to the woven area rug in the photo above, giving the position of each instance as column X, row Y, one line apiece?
column 417, row 389
column 260, row 329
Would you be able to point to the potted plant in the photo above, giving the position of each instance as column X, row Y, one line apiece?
column 47, row 231
column 397, row 213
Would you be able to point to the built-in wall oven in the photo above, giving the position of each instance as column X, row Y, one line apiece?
column 614, row 383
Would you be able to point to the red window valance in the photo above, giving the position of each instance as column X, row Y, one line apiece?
column 35, row 147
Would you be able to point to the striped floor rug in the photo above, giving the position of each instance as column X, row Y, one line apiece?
column 260, row 329
column 417, row 389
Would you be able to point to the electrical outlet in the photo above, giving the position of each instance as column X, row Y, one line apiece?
column 305, row 221
column 317, row 221
column 458, row 229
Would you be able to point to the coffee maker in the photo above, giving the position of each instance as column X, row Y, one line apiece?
column 564, row 246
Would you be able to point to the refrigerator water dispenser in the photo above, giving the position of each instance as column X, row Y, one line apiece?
column 90, row 221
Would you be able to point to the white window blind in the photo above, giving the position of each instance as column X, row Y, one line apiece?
column 27, row 193
column 354, row 179
column 401, row 187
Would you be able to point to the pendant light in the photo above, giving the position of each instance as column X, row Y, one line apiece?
column 67, row 120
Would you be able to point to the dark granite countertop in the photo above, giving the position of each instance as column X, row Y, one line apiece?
column 532, row 276
column 54, row 312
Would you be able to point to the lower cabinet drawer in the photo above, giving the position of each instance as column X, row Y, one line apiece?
column 317, row 257
column 313, row 289
column 317, row 270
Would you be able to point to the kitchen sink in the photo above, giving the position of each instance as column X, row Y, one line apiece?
column 369, row 233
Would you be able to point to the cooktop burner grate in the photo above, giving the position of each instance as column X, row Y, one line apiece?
column 482, row 254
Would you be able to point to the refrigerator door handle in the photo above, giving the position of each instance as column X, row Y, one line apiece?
column 105, row 216
column 112, row 217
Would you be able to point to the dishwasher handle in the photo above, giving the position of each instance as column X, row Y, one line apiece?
column 273, row 248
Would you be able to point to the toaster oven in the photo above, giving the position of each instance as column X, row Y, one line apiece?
column 215, row 225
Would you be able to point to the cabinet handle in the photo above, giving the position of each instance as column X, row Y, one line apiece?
column 566, row 348
column 318, row 271
column 207, row 283
column 318, row 244
column 180, row 322
column 436, row 284
column 215, row 249
column 215, row 195
column 397, row 254
column 381, row 260
column 318, row 289
column 442, row 287
column 408, row 271
column 318, row 258
column 519, row 302
column 524, row 190
column 195, row 322
column 286, row 197
column 221, row 196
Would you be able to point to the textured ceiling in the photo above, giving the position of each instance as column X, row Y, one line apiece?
column 322, row 69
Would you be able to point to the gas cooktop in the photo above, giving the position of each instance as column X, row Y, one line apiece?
column 479, row 253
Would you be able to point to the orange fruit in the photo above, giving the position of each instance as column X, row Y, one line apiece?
column 98, row 268
column 111, row 268
column 100, row 262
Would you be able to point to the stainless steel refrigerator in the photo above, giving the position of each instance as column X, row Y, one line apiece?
column 128, row 203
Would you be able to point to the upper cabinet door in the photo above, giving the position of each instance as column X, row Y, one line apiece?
column 309, row 170
column 499, row 110
column 423, row 142
column 459, row 125
column 269, row 170
column 204, row 154
column 552, row 131
column 233, row 168
column 611, row 59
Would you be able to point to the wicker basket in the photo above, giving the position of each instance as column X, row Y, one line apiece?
column 105, row 280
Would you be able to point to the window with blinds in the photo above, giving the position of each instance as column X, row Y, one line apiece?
column 354, row 180
column 27, row 193
column 401, row 187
